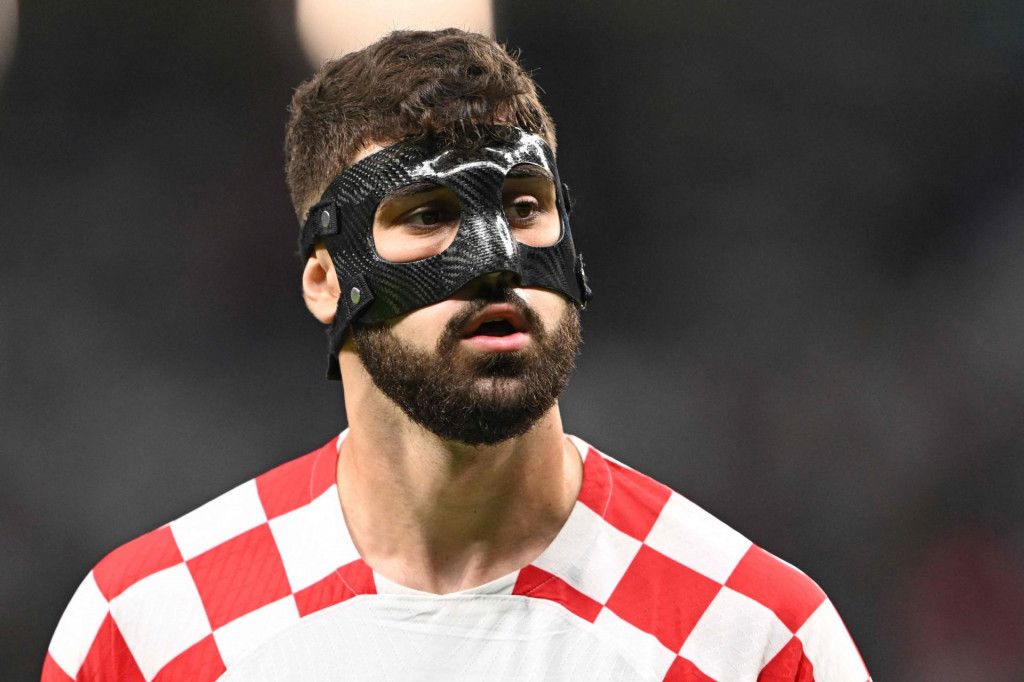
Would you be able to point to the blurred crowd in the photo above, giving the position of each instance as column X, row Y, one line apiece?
column 803, row 224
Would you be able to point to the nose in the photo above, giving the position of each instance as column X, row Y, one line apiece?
column 492, row 286
column 503, row 278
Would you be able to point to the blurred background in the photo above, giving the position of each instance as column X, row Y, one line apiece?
column 804, row 224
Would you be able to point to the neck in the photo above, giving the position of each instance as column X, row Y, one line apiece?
column 439, row 516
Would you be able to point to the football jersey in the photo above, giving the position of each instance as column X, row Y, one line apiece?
column 265, row 583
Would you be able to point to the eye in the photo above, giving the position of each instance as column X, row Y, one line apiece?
column 523, row 208
column 429, row 216
column 415, row 222
column 425, row 217
column 530, row 203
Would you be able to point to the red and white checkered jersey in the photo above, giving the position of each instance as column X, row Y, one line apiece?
column 265, row 583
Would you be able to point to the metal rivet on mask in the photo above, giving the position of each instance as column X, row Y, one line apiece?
column 325, row 219
column 355, row 294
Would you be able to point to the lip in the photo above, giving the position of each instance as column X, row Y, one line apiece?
column 497, row 344
column 496, row 311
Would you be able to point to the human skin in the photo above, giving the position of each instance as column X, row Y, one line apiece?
column 430, row 514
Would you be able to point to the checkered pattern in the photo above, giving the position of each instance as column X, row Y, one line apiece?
column 693, row 597
column 684, row 596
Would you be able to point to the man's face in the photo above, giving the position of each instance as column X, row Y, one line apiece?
column 483, row 365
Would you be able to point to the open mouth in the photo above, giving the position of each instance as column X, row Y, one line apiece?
column 495, row 321
column 499, row 327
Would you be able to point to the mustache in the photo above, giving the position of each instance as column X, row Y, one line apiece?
column 499, row 294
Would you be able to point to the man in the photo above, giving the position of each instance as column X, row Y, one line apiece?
column 453, row 531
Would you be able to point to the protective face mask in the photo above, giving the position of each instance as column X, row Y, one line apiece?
column 374, row 289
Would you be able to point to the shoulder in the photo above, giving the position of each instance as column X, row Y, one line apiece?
column 685, row 537
column 244, row 509
column 160, row 594
column 706, row 592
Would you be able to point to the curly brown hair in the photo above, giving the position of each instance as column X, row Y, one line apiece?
column 410, row 84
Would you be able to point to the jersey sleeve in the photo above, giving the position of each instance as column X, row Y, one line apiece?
column 828, row 649
column 817, row 646
column 820, row 651
column 87, row 645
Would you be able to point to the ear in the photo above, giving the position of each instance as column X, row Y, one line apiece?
column 320, row 286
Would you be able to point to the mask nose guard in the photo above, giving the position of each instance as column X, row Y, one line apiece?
column 484, row 240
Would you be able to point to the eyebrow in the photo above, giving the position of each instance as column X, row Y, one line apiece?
column 529, row 171
column 412, row 190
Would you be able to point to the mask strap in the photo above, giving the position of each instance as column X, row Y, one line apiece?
column 356, row 296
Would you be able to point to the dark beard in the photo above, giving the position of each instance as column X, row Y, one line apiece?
column 476, row 400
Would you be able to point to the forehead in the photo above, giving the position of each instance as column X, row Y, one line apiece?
column 380, row 169
column 370, row 149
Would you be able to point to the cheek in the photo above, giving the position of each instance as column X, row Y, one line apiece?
column 421, row 328
column 548, row 304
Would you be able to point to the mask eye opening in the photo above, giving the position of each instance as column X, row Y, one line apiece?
column 415, row 222
column 530, row 200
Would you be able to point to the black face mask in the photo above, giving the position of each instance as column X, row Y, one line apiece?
column 374, row 289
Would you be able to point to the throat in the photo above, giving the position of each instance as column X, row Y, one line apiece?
column 442, row 529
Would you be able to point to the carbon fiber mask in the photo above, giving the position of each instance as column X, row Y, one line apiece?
column 374, row 289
